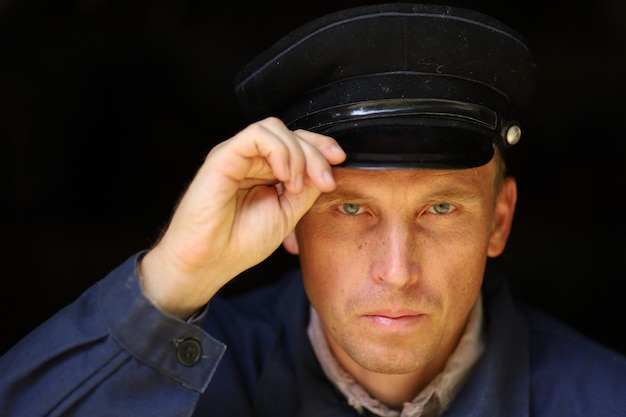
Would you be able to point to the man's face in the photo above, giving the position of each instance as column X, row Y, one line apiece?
column 393, row 262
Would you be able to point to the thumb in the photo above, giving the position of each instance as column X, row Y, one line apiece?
column 295, row 205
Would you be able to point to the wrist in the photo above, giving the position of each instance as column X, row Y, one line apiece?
column 168, row 289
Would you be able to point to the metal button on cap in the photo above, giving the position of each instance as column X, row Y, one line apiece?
column 188, row 352
column 513, row 134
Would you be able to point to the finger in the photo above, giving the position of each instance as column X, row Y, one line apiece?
column 295, row 154
column 326, row 145
column 320, row 152
column 254, row 151
column 287, row 156
column 308, row 154
column 270, row 143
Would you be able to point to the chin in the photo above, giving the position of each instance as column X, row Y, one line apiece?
column 395, row 362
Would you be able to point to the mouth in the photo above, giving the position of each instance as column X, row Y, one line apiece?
column 393, row 320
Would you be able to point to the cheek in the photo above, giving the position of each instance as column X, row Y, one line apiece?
column 466, row 277
column 330, row 265
column 454, row 266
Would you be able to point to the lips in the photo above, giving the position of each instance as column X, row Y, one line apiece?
column 394, row 314
column 393, row 318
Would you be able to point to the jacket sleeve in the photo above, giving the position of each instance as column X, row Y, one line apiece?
column 109, row 353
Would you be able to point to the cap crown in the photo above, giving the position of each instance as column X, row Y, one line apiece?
column 397, row 84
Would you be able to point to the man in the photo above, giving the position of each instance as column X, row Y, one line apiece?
column 376, row 156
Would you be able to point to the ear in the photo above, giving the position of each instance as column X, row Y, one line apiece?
column 290, row 243
column 503, row 217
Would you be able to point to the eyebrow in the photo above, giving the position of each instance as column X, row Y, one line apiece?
column 342, row 197
column 454, row 194
column 450, row 194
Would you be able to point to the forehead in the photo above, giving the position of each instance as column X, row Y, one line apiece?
column 364, row 181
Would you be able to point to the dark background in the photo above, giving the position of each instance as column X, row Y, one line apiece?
column 107, row 109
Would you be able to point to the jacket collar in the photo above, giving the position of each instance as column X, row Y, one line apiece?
column 500, row 382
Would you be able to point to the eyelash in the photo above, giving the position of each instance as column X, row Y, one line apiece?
column 433, row 209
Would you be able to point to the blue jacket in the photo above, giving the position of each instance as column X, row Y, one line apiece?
column 112, row 353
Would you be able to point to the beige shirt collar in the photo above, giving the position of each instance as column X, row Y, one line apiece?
column 434, row 399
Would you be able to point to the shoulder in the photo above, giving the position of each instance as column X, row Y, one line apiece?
column 554, row 343
column 570, row 371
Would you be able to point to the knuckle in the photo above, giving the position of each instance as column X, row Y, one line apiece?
column 271, row 122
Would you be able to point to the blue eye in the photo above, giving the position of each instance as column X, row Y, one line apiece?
column 349, row 208
column 441, row 208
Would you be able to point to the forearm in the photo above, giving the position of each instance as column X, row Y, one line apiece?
column 110, row 344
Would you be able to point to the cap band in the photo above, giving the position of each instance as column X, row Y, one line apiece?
column 373, row 109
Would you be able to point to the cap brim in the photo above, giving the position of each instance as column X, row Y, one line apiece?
column 393, row 146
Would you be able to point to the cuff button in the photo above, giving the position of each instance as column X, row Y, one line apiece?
column 188, row 351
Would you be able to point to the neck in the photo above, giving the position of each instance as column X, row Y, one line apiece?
column 392, row 390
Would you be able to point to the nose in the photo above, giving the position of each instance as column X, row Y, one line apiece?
column 395, row 253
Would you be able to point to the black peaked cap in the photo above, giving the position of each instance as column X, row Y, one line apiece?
column 399, row 85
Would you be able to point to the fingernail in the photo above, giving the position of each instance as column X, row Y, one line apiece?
column 327, row 177
column 337, row 150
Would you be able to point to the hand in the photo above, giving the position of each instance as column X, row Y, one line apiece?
column 247, row 196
